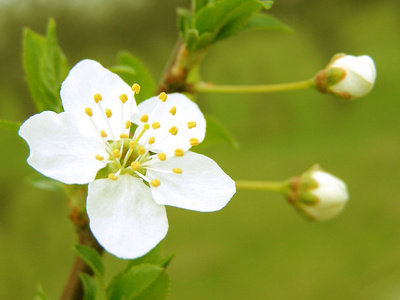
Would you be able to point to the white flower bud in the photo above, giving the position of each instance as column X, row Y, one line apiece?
column 318, row 195
column 347, row 76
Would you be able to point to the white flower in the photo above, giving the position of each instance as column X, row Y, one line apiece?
column 130, row 178
column 347, row 76
column 318, row 194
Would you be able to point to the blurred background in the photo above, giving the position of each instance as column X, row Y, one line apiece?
column 257, row 247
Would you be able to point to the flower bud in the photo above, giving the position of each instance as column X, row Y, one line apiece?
column 318, row 195
column 347, row 76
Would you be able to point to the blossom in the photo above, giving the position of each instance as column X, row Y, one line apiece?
column 318, row 195
column 131, row 177
column 347, row 76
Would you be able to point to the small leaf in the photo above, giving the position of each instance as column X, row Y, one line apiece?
column 184, row 21
column 91, row 258
column 145, row 282
column 217, row 133
column 45, row 183
column 10, row 125
column 89, row 286
column 40, row 294
column 199, row 4
column 45, row 67
column 262, row 21
column 267, row 4
column 132, row 70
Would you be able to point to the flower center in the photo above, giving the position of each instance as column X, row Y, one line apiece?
column 129, row 154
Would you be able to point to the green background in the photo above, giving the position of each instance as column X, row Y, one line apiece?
column 257, row 247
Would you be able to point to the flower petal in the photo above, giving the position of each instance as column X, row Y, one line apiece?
column 88, row 78
column 184, row 111
column 63, row 146
column 124, row 218
column 202, row 186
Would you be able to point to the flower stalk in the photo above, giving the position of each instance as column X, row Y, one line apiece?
column 269, row 186
column 240, row 89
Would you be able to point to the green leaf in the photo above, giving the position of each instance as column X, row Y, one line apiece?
column 41, row 294
column 89, row 286
column 199, row 4
column 155, row 257
column 217, row 133
column 132, row 70
column 10, row 125
column 91, row 258
column 45, row 183
column 267, row 4
column 144, row 282
column 184, row 21
column 262, row 21
column 45, row 67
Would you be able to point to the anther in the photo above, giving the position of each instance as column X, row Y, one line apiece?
column 152, row 140
column 135, row 165
column 179, row 152
column 112, row 176
column 136, row 88
column 144, row 118
column 161, row 156
column 194, row 142
column 173, row 110
column 123, row 98
column 141, row 150
column 123, row 136
column 103, row 133
column 191, row 124
column 155, row 182
column 173, row 130
column 162, row 97
column 155, row 125
column 146, row 126
column 108, row 113
column 116, row 153
column 99, row 157
column 132, row 145
column 89, row 111
column 127, row 124
column 97, row 98
column 177, row 170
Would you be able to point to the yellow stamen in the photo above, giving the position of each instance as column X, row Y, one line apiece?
column 123, row 136
column 155, row 125
column 177, row 170
column 99, row 157
column 127, row 124
column 162, row 97
column 155, row 182
column 123, row 98
column 132, row 145
column 179, row 152
column 97, row 98
column 112, row 176
column 191, row 124
column 173, row 110
column 152, row 140
column 173, row 130
column 136, row 88
column 161, row 156
column 194, row 142
column 116, row 153
column 141, row 150
column 144, row 118
column 135, row 165
column 108, row 113
column 89, row 111
column 103, row 133
column 146, row 126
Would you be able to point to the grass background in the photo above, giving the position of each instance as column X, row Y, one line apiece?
column 257, row 247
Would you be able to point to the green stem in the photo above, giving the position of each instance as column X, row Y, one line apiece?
column 270, row 88
column 270, row 186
